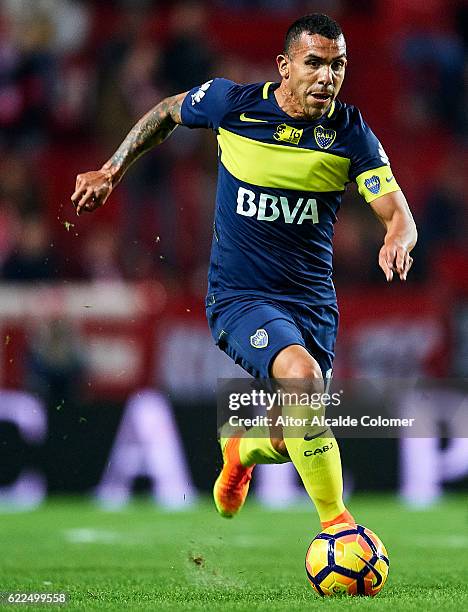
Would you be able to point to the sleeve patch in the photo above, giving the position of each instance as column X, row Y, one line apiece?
column 204, row 106
column 376, row 182
column 200, row 93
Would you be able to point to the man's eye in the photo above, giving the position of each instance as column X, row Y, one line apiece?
column 313, row 63
column 337, row 65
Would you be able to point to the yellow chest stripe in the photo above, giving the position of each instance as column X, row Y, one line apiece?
column 282, row 167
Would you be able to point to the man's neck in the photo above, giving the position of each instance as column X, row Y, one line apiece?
column 289, row 103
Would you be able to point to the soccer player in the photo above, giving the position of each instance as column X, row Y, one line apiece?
column 286, row 152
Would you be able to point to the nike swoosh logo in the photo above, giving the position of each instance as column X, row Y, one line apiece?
column 308, row 437
column 244, row 117
column 388, row 179
column 373, row 569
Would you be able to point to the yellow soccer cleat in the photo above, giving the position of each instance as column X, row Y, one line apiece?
column 232, row 485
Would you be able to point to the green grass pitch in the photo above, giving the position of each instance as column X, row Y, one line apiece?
column 146, row 559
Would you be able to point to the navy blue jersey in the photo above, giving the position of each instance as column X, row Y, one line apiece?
column 280, row 183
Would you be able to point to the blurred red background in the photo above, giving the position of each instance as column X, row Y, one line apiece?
column 74, row 77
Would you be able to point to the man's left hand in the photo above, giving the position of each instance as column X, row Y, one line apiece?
column 394, row 257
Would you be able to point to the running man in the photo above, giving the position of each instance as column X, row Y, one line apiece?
column 286, row 153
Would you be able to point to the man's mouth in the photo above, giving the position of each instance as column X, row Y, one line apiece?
column 321, row 96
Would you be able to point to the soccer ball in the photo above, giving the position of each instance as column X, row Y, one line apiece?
column 347, row 560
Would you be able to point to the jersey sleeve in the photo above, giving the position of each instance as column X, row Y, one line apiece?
column 370, row 166
column 205, row 106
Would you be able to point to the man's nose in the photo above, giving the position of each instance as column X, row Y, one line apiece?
column 325, row 76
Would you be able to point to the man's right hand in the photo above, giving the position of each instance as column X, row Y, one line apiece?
column 91, row 190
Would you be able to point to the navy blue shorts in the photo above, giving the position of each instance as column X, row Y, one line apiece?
column 253, row 330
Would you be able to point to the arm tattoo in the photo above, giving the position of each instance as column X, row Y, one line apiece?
column 152, row 129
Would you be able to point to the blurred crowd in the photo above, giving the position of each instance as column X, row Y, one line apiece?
column 75, row 75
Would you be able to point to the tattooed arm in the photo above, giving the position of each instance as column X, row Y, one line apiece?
column 93, row 188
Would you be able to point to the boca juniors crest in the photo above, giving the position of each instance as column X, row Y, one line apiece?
column 324, row 137
column 259, row 339
column 373, row 184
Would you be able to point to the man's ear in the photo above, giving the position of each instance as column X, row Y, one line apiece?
column 282, row 61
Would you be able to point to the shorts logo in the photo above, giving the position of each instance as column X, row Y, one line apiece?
column 373, row 184
column 286, row 133
column 200, row 93
column 259, row 339
column 324, row 138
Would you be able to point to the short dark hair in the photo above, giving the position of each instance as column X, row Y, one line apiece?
column 316, row 23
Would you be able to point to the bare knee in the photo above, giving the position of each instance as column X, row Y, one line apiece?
column 303, row 369
column 294, row 362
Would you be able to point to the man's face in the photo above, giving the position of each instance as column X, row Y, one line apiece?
column 313, row 71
